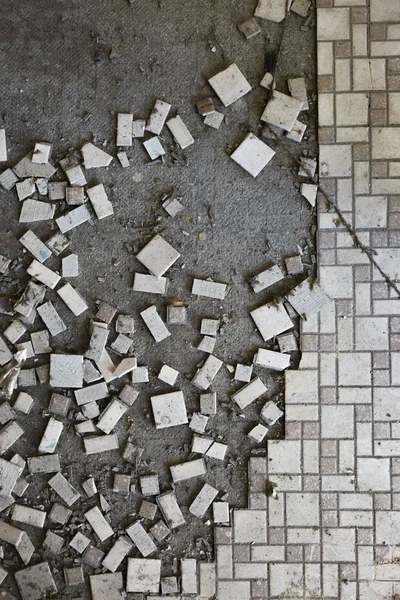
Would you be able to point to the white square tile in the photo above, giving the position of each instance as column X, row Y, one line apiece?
column 250, row 526
column 286, row 580
column 335, row 160
column 284, row 456
column 230, row 84
column 282, row 111
column 352, row 109
column 337, row 282
column 333, row 24
column 252, row 154
column 387, row 527
column 338, row 545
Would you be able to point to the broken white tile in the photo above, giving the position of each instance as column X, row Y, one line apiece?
column 188, row 470
column 169, row 410
column 158, row 117
column 308, row 298
column 154, row 148
column 281, row 111
column 51, row 436
column 207, row 344
column 59, row 513
column 298, row 90
column 76, row 176
column 271, row 320
column 43, row 274
column 58, row 243
column 125, row 324
column 69, row 266
column 101, row 204
column 64, row 489
column 73, row 218
column 94, row 157
column 25, row 188
column 4, row 264
column 56, row 190
column 44, row 464
column 252, row 154
column 203, row 500
column 143, row 575
column 200, row 444
column 230, row 84
column 26, row 168
column 217, row 450
column 208, row 404
column 243, row 372
column 276, row 361
column 98, row 523
column 172, row 206
column 42, row 186
column 31, row 297
column 142, row 540
column 90, row 410
column 250, row 392
column 28, row 515
column 138, row 127
column 214, row 119
column 209, row 327
column 27, row 378
column 111, row 415
column 140, row 375
column 9, row 473
column 297, row 132
column 66, row 370
column 270, row 413
column 123, row 159
column 34, row 210
column 10, row 534
column 168, row 375
column 267, row 81
column 101, row 443
column 206, row 374
column 150, row 284
column 97, row 342
column 35, row 246
column 155, row 324
column 271, row 10
column 158, row 256
column 198, row 422
column 3, row 146
column 8, row 179
column 309, row 191
column 9, row 435
column 116, row 555
column 79, row 542
column 149, row 485
column 122, row 344
column 41, row 153
column 124, row 129
column 27, row 346
column 258, row 433
column 107, row 586
column 106, row 367
column 14, row 331
column 35, row 582
column 210, row 289
column 51, row 318
column 180, row 132
column 23, row 403
column 72, row 299
column 266, row 278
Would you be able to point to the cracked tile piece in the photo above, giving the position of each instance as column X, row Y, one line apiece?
column 252, row 154
column 271, row 10
column 230, row 84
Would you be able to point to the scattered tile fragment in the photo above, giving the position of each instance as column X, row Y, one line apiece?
column 94, row 157
column 64, row 489
column 158, row 117
column 150, row 284
column 309, row 192
column 271, row 319
column 271, row 10
column 169, row 410
column 138, row 128
column 154, row 148
column 35, row 583
column 249, row 393
column 73, row 218
column 282, row 111
column 34, row 210
column 258, row 433
column 155, row 324
column 72, row 299
column 214, row 119
column 66, row 370
column 124, row 129
column 143, row 575
column 180, row 132
column 203, row 500
column 51, row 319
column 188, row 470
column 249, row 28
column 141, row 539
column 206, row 374
column 230, row 85
column 252, row 154
column 210, row 289
column 170, row 510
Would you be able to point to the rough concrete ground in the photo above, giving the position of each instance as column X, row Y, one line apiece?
column 59, row 85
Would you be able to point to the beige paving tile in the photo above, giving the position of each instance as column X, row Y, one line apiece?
column 385, row 10
column 325, row 58
column 394, row 108
column 385, row 142
column 369, row 74
column 385, row 48
column 335, row 160
column 370, row 212
column 352, row 109
column 354, row 368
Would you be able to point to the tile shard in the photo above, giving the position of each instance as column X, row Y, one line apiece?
column 271, row 320
column 73, row 218
column 124, row 129
column 72, row 299
column 35, row 583
column 34, row 210
column 51, row 318
column 3, row 146
column 203, row 500
column 35, row 246
column 276, row 361
column 142, row 540
column 180, row 132
column 249, row 393
column 308, row 298
column 64, row 489
column 158, row 117
column 100, row 526
column 230, row 85
column 155, row 324
column 101, row 204
column 158, row 256
column 206, row 374
column 170, row 510
column 210, row 289
column 271, row 10
column 94, row 157
column 282, row 111
column 169, row 410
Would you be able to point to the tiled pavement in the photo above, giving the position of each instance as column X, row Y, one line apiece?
column 334, row 531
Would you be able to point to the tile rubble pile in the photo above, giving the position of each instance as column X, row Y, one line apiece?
column 81, row 381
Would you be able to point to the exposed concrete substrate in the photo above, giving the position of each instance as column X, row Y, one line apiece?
column 50, row 85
